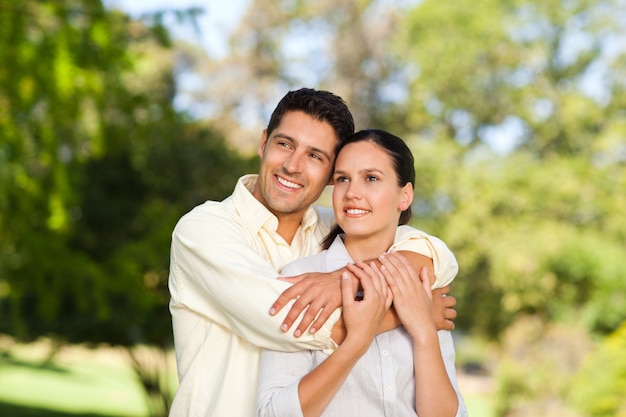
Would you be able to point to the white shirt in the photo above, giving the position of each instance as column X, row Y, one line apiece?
column 223, row 269
column 382, row 383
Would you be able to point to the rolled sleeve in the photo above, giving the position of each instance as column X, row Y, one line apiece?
column 444, row 261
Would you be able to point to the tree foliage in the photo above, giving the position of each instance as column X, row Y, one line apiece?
column 96, row 166
column 536, row 225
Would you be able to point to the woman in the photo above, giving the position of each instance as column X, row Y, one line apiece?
column 408, row 371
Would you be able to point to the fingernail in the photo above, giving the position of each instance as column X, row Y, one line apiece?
column 297, row 333
column 312, row 330
column 272, row 311
column 284, row 328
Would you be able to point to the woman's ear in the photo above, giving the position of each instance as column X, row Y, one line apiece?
column 407, row 197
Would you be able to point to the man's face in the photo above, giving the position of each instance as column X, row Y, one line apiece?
column 296, row 162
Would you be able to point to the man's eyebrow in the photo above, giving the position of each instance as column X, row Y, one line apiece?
column 283, row 136
column 323, row 152
column 310, row 148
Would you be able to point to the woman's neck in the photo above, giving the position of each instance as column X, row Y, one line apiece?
column 364, row 248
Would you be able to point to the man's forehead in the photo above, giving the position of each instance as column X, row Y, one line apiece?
column 298, row 125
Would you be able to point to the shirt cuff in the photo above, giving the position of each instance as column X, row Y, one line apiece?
column 324, row 335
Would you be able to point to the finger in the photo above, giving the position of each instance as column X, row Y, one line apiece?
column 377, row 270
column 360, row 270
column 388, row 294
column 380, row 280
column 425, row 279
column 401, row 264
column 394, row 279
column 441, row 292
column 445, row 325
column 347, row 296
column 388, row 261
column 366, row 275
column 292, row 280
column 321, row 319
column 309, row 315
column 285, row 297
column 294, row 312
column 448, row 301
column 390, row 279
column 375, row 277
column 449, row 314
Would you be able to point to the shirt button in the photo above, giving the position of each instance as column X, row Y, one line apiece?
column 389, row 389
column 385, row 353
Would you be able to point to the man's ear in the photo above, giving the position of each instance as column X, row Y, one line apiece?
column 407, row 197
column 263, row 143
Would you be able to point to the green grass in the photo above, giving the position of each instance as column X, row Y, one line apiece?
column 78, row 383
column 100, row 383
column 478, row 405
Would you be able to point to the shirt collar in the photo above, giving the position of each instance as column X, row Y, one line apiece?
column 256, row 214
column 337, row 255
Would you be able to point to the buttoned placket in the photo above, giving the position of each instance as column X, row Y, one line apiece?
column 388, row 372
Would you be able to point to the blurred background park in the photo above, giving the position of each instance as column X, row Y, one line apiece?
column 115, row 120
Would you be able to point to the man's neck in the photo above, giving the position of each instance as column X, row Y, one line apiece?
column 288, row 226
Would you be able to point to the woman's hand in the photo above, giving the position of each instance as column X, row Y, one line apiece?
column 411, row 293
column 362, row 317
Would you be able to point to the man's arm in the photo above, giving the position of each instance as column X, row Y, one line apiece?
column 217, row 273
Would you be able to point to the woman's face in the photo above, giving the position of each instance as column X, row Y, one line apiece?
column 366, row 197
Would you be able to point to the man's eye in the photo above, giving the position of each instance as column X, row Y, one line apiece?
column 372, row 178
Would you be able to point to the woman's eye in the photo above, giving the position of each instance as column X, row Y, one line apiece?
column 341, row 179
column 372, row 178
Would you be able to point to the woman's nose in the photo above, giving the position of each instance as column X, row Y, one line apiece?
column 354, row 190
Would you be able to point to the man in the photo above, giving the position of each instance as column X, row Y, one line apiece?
column 225, row 257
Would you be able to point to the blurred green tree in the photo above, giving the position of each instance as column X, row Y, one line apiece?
column 524, row 164
column 96, row 166
column 606, row 367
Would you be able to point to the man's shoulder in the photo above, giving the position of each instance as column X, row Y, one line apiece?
column 210, row 216
column 208, row 209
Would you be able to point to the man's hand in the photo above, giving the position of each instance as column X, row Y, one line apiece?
column 443, row 308
column 320, row 292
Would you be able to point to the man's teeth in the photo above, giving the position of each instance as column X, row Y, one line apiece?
column 288, row 183
column 356, row 211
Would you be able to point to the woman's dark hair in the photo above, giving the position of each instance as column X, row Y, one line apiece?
column 322, row 105
column 403, row 163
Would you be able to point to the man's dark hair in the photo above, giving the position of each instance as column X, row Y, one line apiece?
column 322, row 105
